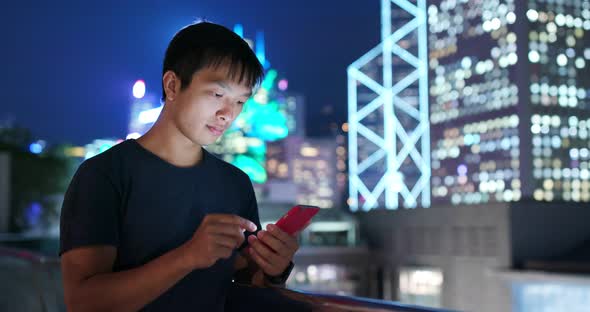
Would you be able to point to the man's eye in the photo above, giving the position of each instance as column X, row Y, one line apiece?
column 240, row 103
column 218, row 95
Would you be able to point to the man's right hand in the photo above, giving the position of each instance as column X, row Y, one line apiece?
column 216, row 238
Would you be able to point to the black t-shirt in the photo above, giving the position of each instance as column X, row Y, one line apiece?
column 130, row 198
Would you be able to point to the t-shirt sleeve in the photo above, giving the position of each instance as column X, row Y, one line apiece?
column 90, row 211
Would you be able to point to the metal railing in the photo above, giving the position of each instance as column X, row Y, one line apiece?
column 32, row 282
column 29, row 281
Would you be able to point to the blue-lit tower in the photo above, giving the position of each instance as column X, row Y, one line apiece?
column 389, row 140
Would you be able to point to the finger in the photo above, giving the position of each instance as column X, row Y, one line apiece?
column 290, row 241
column 235, row 220
column 228, row 230
column 262, row 263
column 274, row 243
column 268, row 254
column 226, row 240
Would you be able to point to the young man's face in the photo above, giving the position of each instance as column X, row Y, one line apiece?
column 209, row 105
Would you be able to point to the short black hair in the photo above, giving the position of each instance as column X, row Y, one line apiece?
column 205, row 44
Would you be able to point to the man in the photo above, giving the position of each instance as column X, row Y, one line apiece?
column 156, row 223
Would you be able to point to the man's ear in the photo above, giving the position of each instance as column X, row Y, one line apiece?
column 171, row 83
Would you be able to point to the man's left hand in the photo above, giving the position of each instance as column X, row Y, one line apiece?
column 272, row 249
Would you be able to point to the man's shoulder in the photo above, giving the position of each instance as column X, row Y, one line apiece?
column 227, row 169
column 108, row 160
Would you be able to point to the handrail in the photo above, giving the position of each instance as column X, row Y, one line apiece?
column 240, row 293
column 28, row 256
column 37, row 262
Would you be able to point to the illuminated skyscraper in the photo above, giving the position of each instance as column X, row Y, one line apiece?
column 305, row 171
column 510, row 124
column 474, row 102
column 513, row 109
column 294, row 110
column 280, row 153
column 280, row 186
column 508, row 103
column 389, row 143
column 558, row 53
column 341, row 168
column 314, row 173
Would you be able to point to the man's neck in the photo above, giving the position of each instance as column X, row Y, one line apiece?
column 167, row 142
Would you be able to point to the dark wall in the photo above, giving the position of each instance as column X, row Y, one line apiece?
column 547, row 231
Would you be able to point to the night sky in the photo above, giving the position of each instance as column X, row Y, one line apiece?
column 68, row 68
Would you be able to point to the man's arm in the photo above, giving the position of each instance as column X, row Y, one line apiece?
column 90, row 284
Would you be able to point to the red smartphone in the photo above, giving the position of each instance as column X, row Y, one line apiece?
column 297, row 218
